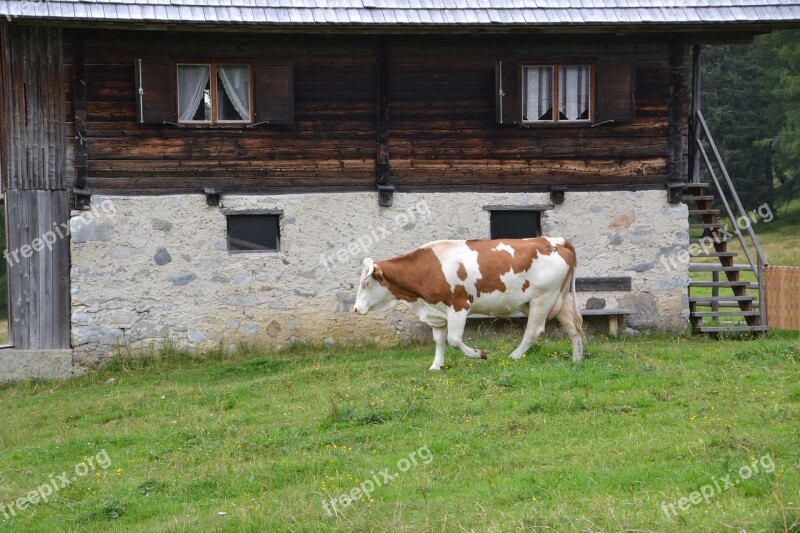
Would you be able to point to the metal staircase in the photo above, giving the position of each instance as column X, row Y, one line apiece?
column 724, row 296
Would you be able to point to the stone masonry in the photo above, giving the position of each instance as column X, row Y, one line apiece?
column 150, row 268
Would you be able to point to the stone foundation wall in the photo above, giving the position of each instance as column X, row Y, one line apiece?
column 148, row 268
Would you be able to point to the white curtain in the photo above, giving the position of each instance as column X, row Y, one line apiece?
column 192, row 83
column 538, row 92
column 236, row 82
column 573, row 83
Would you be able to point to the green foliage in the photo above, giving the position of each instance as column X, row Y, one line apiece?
column 751, row 100
column 256, row 441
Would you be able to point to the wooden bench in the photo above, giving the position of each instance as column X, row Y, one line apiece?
column 609, row 283
column 613, row 317
column 621, row 283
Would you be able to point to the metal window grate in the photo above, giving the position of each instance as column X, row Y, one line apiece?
column 509, row 224
column 251, row 233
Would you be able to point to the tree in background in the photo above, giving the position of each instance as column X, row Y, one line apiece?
column 751, row 100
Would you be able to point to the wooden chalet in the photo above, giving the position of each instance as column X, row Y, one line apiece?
column 224, row 167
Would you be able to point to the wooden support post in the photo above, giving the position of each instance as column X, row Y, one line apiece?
column 676, row 109
column 613, row 325
column 694, row 155
column 382, row 125
column 79, row 109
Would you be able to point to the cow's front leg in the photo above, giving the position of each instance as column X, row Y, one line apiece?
column 456, row 321
column 439, row 336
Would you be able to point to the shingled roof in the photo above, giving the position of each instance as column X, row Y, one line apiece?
column 408, row 13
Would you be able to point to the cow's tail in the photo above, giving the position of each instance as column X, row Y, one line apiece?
column 576, row 311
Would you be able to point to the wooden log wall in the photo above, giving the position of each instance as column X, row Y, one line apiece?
column 34, row 152
column 440, row 119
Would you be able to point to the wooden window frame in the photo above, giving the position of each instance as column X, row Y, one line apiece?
column 556, row 66
column 213, row 85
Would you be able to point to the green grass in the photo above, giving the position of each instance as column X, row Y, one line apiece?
column 537, row 444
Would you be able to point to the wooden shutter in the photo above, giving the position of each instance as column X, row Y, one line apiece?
column 274, row 95
column 507, row 93
column 155, row 91
column 615, row 91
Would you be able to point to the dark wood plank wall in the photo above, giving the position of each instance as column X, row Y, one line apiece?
column 440, row 125
column 33, row 150
column 34, row 165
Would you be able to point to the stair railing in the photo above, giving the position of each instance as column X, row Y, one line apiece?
column 761, row 261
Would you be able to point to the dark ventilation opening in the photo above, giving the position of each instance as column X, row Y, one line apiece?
column 254, row 233
column 515, row 224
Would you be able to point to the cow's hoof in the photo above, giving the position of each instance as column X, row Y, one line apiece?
column 435, row 368
column 483, row 354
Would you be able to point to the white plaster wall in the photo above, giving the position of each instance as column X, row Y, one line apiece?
column 147, row 268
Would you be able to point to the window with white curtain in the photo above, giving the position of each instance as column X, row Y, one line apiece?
column 215, row 92
column 557, row 93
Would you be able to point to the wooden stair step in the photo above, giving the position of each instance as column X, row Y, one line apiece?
column 722, row 284
column 720, row 329
column 713, row 225
column 753, row 304
column 714, row 254
column 714, row 267
column 700, row 240
column 704, row 314
column 708, row 300
column 695, row 186
column 703, row 212
column 697, row 198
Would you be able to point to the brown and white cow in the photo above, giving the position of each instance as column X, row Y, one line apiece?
column 445, row 281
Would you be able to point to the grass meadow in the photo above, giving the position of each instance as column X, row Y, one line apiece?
column 257, row 441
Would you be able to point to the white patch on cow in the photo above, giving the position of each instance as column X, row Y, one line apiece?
column 555, row 240
column 503, row 247
column 453, row 254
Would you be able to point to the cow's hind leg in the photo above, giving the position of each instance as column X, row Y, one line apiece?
column 439, row 336
column 456, row 321
column 537, row 317
column 571, row 320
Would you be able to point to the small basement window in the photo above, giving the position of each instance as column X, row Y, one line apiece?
column 254, row 232
column 515, row 224
column 215, row 93
column 567, row 89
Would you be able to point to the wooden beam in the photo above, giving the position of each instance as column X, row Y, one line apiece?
column 620, row 283
column 694, row 155
column 79, row 111
column 677, row 99
column 382, row 168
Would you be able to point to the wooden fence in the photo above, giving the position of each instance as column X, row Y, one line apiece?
column 783, row 297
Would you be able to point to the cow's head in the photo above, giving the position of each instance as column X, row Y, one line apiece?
column 371, row 291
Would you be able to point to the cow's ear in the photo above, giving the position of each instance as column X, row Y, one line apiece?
column 378, row 273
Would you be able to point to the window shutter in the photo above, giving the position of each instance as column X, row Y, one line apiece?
column 155, row 91
column 274, row 93
column 615, row 91
column 507, row 98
